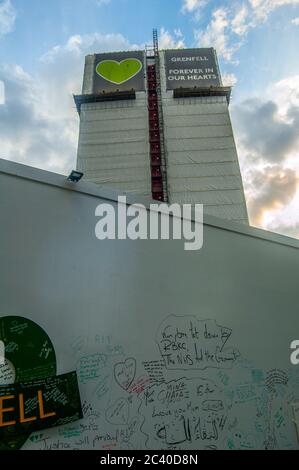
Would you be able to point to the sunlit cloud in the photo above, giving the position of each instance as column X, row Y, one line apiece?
column 268, row 146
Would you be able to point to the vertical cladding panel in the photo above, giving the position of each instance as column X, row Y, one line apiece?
column 113, row 145
column 194, row 129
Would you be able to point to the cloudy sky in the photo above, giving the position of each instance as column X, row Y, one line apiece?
column 42, row 49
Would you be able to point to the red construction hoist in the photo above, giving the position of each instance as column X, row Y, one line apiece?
column 156, row 130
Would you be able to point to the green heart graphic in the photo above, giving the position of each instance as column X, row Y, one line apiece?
column 118, row 72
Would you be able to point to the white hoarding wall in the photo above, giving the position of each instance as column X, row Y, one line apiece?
column 173, row 349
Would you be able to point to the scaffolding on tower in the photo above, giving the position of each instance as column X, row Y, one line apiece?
column 156, row 124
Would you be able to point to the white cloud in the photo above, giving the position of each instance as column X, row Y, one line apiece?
column 39, row 113
column 263, row 8
column 190, row 6
column 195, row 7
column 7, row 17
column 217, row 35
column 239, row 23
column 229, row 79
column 231, row 22
column 169, row 41
column 295, row 21
column 27, row 134
column 286, row 95
column 178, row 33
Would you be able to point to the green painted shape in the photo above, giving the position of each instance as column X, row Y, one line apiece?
column 33, row 356
column 28, row 348
column 118, row 72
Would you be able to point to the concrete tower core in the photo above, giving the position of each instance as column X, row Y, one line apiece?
column 157, row 124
